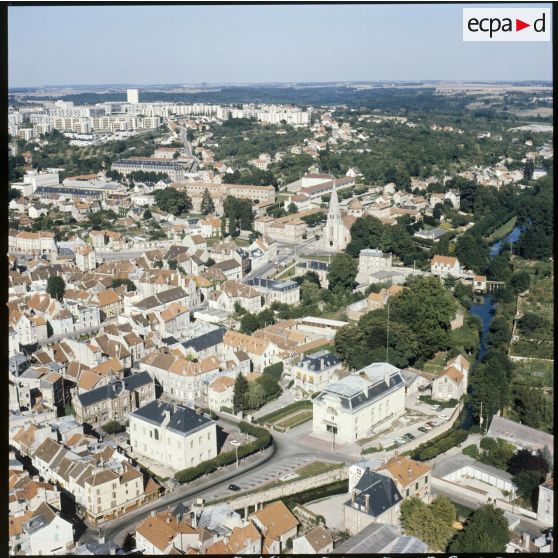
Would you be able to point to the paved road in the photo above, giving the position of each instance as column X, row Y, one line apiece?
column 286, row 254
column 286, row 456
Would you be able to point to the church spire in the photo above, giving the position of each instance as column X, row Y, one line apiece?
column 334, row 210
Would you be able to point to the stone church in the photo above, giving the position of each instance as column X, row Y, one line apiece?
column 337, row 231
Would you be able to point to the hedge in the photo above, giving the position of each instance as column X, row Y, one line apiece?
column 274, row 370
column 438, row 445
column 284, row 411
column 263, row 440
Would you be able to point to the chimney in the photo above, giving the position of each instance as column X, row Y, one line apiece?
column 526, row 540
column 153, row 513
column 193, row 518
column 353, row 497
column 367, row 503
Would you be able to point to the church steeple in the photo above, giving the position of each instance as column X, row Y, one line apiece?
column 334, row 211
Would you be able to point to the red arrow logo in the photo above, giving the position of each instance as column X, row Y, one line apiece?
column 519, row 25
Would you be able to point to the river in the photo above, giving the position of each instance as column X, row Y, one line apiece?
column 484, row 309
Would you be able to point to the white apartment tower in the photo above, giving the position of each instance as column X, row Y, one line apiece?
column 132, row 96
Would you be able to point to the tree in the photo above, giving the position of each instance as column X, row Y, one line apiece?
column 519, row 282
column 256, row 396
column 249, row 323
column 173, row 264
column 270, row 386
column 113, row 427
column 342, row 272
column 292, row 208
column 173, row 201
column 485, row 531
column 362, row 344
column 240, row 392
column 524, row 460
column 207, row 205
column 496, row 452
column 427, row 309
column 147, row 214
column 158, row 263
column 432, row 523
column 130, row 285
column 530, row 322
column 527, row 484
column 56, row 287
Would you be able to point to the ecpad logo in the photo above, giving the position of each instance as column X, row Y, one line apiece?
column 506, row 24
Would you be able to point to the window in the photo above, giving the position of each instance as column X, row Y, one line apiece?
column 209, row 435
column 416, row 486
column 114, row 494
column 407, row 494
column 156, row 432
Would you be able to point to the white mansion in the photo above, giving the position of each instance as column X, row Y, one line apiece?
column 361, row 403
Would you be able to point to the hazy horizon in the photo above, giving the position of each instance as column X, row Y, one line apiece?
column 262, row 44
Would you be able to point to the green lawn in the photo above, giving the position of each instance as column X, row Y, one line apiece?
column 435, row 364
column 281, row 414
column 534, row 373
column 296, row 419
column 317, row 468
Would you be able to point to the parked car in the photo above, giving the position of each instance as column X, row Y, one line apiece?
column 444, row 417
column 401, row 441
column 409, row 436
column 234, row 487
column 436, row 407
column 427, row 427
column 423, row 428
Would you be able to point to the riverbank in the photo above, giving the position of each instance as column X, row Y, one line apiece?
column 503, row 231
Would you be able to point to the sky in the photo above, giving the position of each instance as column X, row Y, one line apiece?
column 54, row 45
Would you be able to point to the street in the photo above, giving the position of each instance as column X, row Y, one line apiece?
column 285, row 456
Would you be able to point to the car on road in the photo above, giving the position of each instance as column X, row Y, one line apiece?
column 234, row 487
column 408, row 436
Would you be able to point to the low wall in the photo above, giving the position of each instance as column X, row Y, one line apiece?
column 449, row 486
column 288, row 488
column 435, row 432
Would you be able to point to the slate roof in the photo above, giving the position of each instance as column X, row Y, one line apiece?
column 519, row 434
column 319, row 361
column 114, row 389
column 377, row 538
column 364, row 387
column 206, row 340
column 382, row 492
column 183, row 420
column 159, row 299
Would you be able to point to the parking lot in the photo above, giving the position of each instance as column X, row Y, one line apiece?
column 419, row 419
